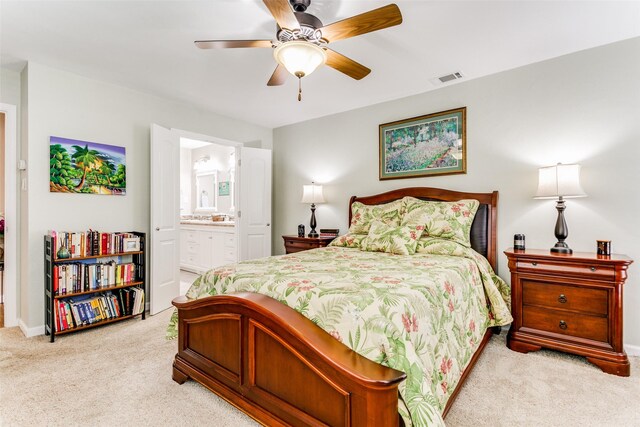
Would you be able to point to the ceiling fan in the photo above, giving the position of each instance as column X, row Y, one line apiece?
column 301, row 39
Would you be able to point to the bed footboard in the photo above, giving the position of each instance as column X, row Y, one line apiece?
column 279, row 367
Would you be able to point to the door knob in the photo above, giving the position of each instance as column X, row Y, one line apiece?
column 157, row 228
column 268, row 224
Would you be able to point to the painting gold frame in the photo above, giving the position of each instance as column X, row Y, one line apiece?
column 429, row 145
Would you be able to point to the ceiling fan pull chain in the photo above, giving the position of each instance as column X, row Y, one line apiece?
column 299, row 88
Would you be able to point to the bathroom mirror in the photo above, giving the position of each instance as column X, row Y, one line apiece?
column 206, row 185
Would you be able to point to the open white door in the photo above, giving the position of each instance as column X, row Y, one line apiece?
column 164, row 283
column 253, row 176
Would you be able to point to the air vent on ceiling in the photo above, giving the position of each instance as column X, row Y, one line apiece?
column 437, row 81
column 453, row 76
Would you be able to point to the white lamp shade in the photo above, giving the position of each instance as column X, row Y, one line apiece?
column 312, row 194
column 559, row 181
column 300, row 57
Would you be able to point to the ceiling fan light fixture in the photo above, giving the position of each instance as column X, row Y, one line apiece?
column 299, row 57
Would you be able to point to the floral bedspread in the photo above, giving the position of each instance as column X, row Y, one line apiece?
column 423, row 314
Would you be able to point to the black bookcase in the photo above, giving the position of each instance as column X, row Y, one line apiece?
column 51, row 299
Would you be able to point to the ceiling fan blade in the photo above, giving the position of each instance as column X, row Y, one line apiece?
column 346, row 65
column 374, row 20
column 283, row 14
column 224, row 44
column 278, row 77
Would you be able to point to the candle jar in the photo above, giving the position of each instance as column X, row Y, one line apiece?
column 518, row 242
column 604, row 247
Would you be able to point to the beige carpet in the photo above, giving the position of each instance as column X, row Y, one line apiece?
column 121, row 375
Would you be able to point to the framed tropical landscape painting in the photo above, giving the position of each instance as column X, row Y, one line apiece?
column 434, row 144
column 86, row 167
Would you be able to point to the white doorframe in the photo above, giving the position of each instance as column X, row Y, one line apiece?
column 206, row 138
column 11, row 216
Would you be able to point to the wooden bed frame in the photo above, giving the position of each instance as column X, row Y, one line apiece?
column 281, row 369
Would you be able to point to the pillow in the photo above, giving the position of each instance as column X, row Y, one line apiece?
column 447, row 220
column 348, row 240
column 395, row 240
column 363, row 215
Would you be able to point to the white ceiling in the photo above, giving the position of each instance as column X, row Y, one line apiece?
column 148, row 46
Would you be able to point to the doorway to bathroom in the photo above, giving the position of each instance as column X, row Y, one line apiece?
column 207, row 208
column 210, row 206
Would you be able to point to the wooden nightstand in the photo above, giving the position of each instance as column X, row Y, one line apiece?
column 571, row 303
column 294, row 244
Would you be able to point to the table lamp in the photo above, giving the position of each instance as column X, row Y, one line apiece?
column 561, row 181
column 312, row 194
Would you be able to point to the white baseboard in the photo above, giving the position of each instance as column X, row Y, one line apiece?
column 632, row 350
column 31, row 332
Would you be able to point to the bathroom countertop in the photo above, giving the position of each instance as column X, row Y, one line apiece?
column 207, row 222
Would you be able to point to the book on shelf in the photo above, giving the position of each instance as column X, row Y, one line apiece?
column 74, row 277
column 91, row 243
column 86, row 310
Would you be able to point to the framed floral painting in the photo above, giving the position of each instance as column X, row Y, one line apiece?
column 434, row 144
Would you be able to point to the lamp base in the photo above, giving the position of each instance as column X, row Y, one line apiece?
column 561, row 248
column 561, row 231
column 312, row 223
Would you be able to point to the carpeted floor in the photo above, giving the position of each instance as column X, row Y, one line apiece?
column 121, row 374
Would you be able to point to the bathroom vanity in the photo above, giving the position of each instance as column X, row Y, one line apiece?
column 206, row 244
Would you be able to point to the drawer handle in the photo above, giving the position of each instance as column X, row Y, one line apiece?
column 593, row 269
column 562, row 299
column 534, row 263
column 563, row 325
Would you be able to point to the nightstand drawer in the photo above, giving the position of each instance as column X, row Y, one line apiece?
column 565, row 297
column 571, row 324
column 302, row 246
column 293, row 244
column 594, row 271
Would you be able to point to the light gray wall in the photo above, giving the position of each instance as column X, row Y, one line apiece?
column 10, row 87
column 71, row 106
column 583, row 108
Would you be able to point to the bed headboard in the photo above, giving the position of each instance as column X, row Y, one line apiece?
column 483, row 229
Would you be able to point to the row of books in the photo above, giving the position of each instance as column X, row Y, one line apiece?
column 91, row 243
column 81, row 277
column 329, row 232
column 76, row 312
